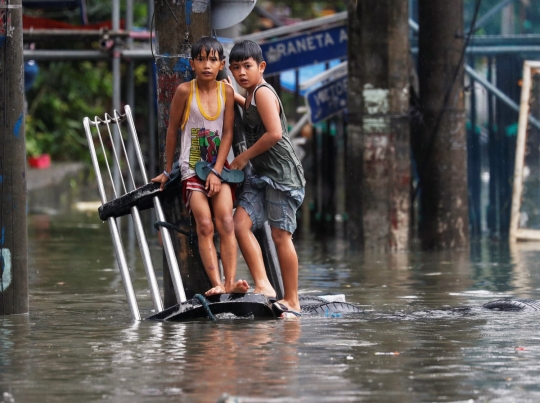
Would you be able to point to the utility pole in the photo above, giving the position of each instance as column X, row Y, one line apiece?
column 441, row 142
column 378, row 170
column 13, row 233
column 177, row 25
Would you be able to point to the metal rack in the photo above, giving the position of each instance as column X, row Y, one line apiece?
column 129, row 182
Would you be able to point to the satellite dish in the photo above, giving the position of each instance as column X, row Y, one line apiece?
column 226, row 13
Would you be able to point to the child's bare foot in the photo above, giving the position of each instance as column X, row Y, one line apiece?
column 285, row 311
column 218, row 289
column 241, row 287
column 295, row 307
column 266, row 290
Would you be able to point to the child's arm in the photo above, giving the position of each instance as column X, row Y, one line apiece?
column 176, row 115
column 239, row 99
column 213, row 183
column 268, row 107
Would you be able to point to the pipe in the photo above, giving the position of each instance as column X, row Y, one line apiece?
column 487, row 85
column 494, row 50
column 116, row 77
column 498, row 93
column 37, row 34
column 494, row 10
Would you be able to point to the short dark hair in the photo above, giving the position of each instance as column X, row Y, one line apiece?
column 243, row 50
column 207, row 43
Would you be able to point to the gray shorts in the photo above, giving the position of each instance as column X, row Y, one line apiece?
column 263, row 202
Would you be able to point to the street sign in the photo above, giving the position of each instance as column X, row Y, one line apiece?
column 305, row 49
column 327, row 100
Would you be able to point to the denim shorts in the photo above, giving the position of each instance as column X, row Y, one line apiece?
column 263, row 203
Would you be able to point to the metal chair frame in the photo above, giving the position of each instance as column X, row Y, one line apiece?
column 119, row 160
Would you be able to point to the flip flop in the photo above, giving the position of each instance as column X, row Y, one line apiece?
column 281, row 309
column 174, row 177
column 203, row 168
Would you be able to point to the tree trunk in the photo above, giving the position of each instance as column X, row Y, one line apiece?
column 441, row 144
column 172, row 20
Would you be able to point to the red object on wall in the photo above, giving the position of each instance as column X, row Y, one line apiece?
column 41, row 162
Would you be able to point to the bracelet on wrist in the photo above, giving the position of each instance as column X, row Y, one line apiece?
column 167, row 174
column 217, row 174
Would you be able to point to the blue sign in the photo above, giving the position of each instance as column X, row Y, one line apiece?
column 327, row 100
column 302, row 50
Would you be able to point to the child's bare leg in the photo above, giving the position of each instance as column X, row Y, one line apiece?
column 251, row 251
column 222, row 205
column 288, row 260
column 205, row 237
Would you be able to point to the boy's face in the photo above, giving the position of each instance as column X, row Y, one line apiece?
column 247, row 73
column 207, row 66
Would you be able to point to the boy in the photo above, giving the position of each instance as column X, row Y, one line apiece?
column 276, row 190
column 203, row 110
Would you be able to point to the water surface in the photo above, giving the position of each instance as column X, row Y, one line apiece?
column 412, row 344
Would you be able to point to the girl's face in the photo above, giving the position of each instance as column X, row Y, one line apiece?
column 207, row 66
column 247, row 73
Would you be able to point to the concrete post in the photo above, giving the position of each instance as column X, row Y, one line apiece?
column 442, row 155
column 13, row 233
column 172, row 21
column 378, row 170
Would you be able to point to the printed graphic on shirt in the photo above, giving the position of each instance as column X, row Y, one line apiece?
column 204, row 146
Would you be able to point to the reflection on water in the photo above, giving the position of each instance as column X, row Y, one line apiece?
column 78, row 344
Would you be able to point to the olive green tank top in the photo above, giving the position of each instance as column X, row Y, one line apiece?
column 280, row 162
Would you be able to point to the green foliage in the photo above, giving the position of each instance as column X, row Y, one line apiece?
column 99, row 10
column 67, row 91
column 64, row 93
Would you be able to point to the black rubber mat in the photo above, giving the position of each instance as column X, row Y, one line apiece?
column 510, row 304
column 333, row 309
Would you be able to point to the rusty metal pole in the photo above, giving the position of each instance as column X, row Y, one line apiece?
column 13, row 233
column 378, row 170
column 442, row 157
column 173, row 20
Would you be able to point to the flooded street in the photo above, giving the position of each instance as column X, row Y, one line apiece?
column 412, row 344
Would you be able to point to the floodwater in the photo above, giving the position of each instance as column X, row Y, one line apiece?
column 412, row 344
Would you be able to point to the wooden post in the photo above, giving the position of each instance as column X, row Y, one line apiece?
column 442, row 161
column 517, row 193
column 13, row 233
column 378, row 170
column 172, row 21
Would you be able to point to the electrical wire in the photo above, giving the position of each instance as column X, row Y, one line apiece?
column 152, row 37
column 422, row 164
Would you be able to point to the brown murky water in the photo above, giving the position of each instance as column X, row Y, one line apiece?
column 79, row 344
